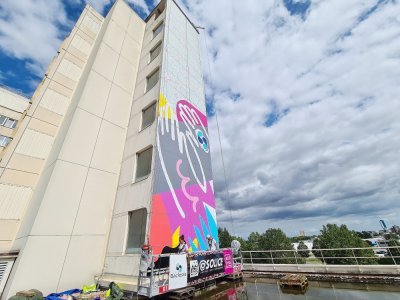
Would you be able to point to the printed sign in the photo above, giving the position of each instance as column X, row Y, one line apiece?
column 228, row 261
column 177, row 271
column 203, row 265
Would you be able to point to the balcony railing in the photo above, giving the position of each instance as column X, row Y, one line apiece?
column 381, row 255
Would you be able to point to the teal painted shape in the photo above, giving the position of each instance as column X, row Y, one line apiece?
column 204, row 227
column 212, row 224
column 202, row 244
column 194, row 248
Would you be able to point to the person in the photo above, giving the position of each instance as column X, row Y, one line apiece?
column 183, row 247
column 212, row 244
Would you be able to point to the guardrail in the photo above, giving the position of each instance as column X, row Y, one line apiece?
column 381, row 255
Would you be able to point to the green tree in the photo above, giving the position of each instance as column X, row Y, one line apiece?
column 302, row 249
column 334, row 236
column 276, row 239
column 224, row 237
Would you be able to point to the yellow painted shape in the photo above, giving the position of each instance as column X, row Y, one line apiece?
column 163, row 105
column 196, row 243
column 175, row 237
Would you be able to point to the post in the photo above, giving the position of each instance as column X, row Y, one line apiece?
column 352, row 250
column 251, row 259
column 322, row 255
column 151, row 277
column 295, row 257
column 390, row 252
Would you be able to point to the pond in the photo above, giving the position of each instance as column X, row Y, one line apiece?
column 268, row 289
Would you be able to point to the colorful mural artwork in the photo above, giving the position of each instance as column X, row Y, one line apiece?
column 183, row 200
column 183, row 197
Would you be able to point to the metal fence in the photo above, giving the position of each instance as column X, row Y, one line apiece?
column 382, row 255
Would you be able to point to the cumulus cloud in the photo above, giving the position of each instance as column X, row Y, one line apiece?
column 27, row 26
column 307, row 97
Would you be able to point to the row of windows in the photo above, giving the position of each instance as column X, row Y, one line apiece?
column 137, row 218
column 7, row 122
column 4, row 140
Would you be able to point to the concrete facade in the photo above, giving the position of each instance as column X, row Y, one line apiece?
column 69, row 178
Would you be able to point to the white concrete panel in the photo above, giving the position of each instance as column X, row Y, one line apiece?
column 60, row 202
column 34, row 143
column 133, row 196
column 95, row 210
column 13, row 101
column 55, row 102
column 13, row 201
column 91, row 24
column 81, row 44
column 114, row 36
column 95, row 94
column 131, row 50
column 81, row 138
column 126, row 172
column 69, row 69
column 106, row 61
column 117, row 234
column 125, row 76
column 121, row 14
column 84, row 260
column 39, row 265
column 136, row 28
column 110, row 144
column 125, row 265
column 118, row 106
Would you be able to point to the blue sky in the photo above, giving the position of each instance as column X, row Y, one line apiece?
column 307, row 97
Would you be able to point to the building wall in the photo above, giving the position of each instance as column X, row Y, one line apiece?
column 87, row 97
column 183, row 200
column 133, row 195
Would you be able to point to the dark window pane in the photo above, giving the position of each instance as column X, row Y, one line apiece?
column 136, row 230
column 148, row 115
column 143, row 163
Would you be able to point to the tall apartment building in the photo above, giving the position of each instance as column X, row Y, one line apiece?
column 112, row 153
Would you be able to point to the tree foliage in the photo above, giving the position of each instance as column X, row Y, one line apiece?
column 302, row 249
column 333, row 236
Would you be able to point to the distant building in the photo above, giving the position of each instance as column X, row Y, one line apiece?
column 112, row 153
column 302, row 233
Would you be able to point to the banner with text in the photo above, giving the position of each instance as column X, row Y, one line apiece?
column 203, row 265
column 177, row 271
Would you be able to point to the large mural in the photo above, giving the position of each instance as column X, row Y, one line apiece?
column 183, row 200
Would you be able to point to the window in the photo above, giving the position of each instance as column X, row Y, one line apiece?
column 3, row 120
column 154, row 52
column 4, row 140
column 143, row 164
column 148, row 115
column 136, row 230
column 158, row 29
column 7, row 122
column 152, row 80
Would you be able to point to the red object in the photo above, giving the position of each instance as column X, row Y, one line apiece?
column 163, row 289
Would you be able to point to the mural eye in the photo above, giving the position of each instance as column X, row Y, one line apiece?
column 204, row 140
column 199, row 139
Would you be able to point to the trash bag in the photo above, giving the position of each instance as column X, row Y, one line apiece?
column 28, row 295
column 57, row 296
column 116, row 293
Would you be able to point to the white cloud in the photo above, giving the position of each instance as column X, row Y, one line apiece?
column 332, row 81
column 30, row 30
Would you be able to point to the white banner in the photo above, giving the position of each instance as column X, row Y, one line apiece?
column 177, row 271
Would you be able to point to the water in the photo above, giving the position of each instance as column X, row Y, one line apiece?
column 268, row 289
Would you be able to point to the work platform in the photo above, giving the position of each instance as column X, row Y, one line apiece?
column 182, row 274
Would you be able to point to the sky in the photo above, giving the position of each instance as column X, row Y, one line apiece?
column 306, row 93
